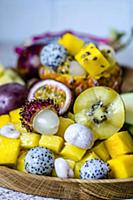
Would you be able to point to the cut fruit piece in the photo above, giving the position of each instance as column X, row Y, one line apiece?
column 102, row 151
column 122, row 166
column 20, row 128
column 120, row 143
column 15, row 116
column 128, row 102
column 72, row 43
column 9, row 150
column 52, row 142
column 29, row 140
column 92, row 60
column 55, row 90
column 72, row 152
column 79, row 164
column 101, row 109
column 64, row 123
column 20, row 162
column 4, row 120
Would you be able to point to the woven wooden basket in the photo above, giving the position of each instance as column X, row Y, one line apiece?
column 74, row 189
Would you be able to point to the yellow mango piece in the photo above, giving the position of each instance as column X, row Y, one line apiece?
column 79, row 164
column 52, row 142
column 4, row 119
column 92, row 60
column 29, row 140
column 122, row 166
column 72, row 152
column 20, row 162
column 72, row 43
column 20, row 128
column 119, row 143
column 9, row 150
column 15, row 116
column 64, row 123
column 101, row 151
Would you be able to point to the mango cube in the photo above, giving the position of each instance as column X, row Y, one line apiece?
column 79, row 164
column 72, row 43
column 92, row 60
column 29, row 140
column 101, row 151
column 9, row 150
column 119, row 143
column 64, row 123
column 122, row 166
column 4, row 119
column 15, row 116
column 72, row 152
column 52, row 142
column 20, row 162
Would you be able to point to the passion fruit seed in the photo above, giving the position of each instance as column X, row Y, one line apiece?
column 46, row 122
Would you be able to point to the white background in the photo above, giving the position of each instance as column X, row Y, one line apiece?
column 19, row 19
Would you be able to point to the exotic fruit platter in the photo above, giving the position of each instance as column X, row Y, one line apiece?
column 66, row 119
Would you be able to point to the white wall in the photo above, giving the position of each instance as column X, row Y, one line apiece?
column 20, row 19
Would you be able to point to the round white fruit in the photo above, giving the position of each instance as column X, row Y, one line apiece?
column 46, row 122
column 76, row 69
column 79, row 135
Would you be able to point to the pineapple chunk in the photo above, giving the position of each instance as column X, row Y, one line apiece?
column 92, row 60
column 20, row 162
column 29, row 140
column 52, row 142
column 64, row 123
column 122, row 166
column 72, row 152
column 101, row 151
column 72, row 43
column 15, row 116
column 9, row 150
column 4, row 119
column 120, row 143
column 19, row 128
column 79, row 164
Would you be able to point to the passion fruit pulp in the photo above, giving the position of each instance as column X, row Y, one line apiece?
column 54, row 90
column 101, row 109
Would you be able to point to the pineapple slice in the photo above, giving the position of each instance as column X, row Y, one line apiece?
column 20, row 128
column 79, row 164
column 4, row 119
column 9, row 150
column 52, row 142
column 15, row 116
column 120, row 143
column 20, row 162
column 92, row 60
column 101, row 151
column 72, row 43
column 29, row 140
column 64, row 123
column 122, row 166
column 72, row 152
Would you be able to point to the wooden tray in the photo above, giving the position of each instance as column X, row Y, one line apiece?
column 74, row 189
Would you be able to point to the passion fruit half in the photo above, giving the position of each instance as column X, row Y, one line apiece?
column 101, row 109
column 54, row 90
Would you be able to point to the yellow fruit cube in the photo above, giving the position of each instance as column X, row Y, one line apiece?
column 20, row 128
column 9, row 150
column 79, row 164
column 119, row 143
column 122, row 166
column 15, row 116
column 72, row 43
column 52, row 142
column 64, row 123
column 20, row 162
column 29, row 140
column 4, row 119
column 92, row 60
column 72, row 152
column 101, row 151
